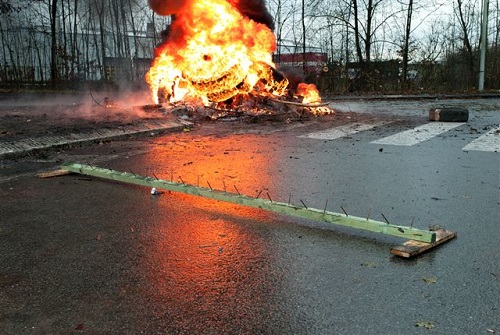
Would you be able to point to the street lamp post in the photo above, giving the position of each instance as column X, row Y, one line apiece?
column 484, row 45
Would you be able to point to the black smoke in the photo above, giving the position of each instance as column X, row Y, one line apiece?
column 255, row 10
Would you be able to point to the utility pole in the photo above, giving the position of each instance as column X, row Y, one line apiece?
column 484, row 45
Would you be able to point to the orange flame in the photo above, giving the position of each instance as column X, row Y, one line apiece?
column 214, row 53
column 309, row 92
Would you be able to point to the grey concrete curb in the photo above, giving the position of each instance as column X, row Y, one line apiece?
column 24, row 147
column 411, row 96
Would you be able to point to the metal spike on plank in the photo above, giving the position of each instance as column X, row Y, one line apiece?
column 414, row 234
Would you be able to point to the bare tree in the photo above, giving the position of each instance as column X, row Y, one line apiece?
column 406, row 45
column 357, row 31
column 303, row 24
column 54, row 74
column 463, row 12
column 74, row 42
column 101, row 12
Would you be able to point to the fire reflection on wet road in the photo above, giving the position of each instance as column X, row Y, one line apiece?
column 239, row 163
column 210, row 263
column 205, row 269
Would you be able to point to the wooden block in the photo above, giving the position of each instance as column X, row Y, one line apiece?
column 413, row 248
column 55, row 173
column 449, row 114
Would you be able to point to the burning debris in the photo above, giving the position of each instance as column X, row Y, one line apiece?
column 218, row 54
column 251, row 109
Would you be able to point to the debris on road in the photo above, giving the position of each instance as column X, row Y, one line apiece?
column 430, row 280
column 425, row 324
column 449, row 114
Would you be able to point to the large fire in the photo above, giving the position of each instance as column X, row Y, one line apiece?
column 213, row 53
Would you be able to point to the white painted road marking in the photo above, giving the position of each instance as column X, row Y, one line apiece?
column 342, row 131
column 419, row 134
column 487, row 142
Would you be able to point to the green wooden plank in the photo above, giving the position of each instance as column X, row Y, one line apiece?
column 278, row 207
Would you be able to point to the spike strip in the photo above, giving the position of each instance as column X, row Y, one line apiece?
column 274, row 206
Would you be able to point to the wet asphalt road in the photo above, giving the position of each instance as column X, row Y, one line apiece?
column 80, row 255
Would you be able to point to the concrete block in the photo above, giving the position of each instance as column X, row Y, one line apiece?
column 449, row 114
